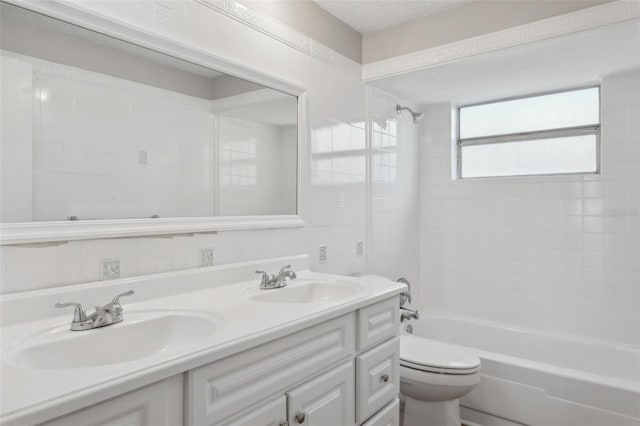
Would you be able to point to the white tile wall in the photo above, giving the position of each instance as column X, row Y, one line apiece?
column 47, row 265
column 557, row 253
column 336, row 194
column 394, row 190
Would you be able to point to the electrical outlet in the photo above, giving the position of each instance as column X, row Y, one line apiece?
column 359, row 248
column 206, row 257
column 322, row 254
column 110, row 269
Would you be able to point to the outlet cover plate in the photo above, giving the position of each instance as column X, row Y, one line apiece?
column 110, row 269
column 206, row 257
column 322, row 254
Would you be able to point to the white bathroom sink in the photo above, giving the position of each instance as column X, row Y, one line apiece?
column 142, row 334
column 311, row 292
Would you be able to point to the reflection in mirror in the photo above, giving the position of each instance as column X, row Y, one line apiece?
column 98, row 128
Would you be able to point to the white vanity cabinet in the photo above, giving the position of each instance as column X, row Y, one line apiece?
column 342, row 372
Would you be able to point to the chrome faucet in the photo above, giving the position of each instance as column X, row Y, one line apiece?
column 408, row 314
column 111, row 313
column 268, row 282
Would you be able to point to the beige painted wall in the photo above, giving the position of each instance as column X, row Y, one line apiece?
column 473, row 19
column 310, row 19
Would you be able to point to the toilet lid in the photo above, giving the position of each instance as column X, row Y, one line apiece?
column 430, row 355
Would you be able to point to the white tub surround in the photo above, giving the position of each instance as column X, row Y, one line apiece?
column 540, row 378
column 229, row 299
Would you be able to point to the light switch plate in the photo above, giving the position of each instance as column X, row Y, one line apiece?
column 359, row 248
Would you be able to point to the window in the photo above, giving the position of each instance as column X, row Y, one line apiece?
column 557, row 133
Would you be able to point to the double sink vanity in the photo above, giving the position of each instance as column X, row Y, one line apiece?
column 207, row 347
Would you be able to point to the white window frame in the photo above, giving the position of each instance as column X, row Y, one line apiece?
column 590, row 129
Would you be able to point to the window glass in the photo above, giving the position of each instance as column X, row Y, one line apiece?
column 573, row 154
column 554, row 111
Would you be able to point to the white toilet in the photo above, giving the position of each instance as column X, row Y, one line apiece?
column 433, row 376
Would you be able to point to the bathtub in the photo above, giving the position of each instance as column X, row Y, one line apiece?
column 542, row 379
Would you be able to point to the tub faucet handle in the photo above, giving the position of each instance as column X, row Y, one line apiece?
column 405, row 296
column 408, row 314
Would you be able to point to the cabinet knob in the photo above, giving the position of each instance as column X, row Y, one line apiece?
column 384, row 377
column 300, row 417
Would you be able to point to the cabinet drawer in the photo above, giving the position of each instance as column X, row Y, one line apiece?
column 388, row 416
column 326, row 400
column 377, row 323
column 378, row 378
column 226, row 387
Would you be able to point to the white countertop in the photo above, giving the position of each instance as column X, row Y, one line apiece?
column 34, row 395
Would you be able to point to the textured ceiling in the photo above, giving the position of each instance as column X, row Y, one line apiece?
column 367, row 16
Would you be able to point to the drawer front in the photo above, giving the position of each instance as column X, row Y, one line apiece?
column 378, row 378
column 377, row 323
column 227, row 387
column 388, row 416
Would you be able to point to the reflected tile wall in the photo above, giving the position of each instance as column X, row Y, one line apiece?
column 557, row 253
column 257, row 160
column 105, row 147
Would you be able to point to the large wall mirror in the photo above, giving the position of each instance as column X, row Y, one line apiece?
column 97, row 128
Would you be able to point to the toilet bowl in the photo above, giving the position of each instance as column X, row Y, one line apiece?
column 433, row 376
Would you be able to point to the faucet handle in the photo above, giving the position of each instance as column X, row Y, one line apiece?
column 284, row 269
column 116, row 300
column 79, row 313
column 266, row 279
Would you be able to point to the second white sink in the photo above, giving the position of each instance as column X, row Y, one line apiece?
column 142, row 334
column 312, row 292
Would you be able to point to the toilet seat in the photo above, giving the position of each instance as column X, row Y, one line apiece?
column 418, row 353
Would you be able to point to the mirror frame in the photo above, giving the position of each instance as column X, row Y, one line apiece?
column 53, row 231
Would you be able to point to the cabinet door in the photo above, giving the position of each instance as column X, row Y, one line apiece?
column 273, row 413
column 327, row 400
column 159, row 404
